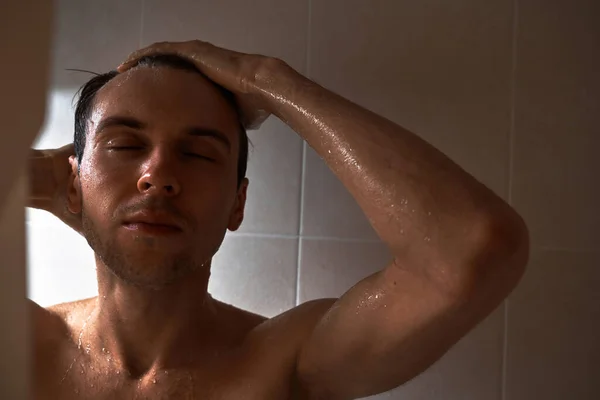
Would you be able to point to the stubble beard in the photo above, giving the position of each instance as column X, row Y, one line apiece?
column 157, row 274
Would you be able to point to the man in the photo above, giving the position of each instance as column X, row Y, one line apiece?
column 157, row 179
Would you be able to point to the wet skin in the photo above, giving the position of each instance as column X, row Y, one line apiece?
column 162, row 144
column 155, row 332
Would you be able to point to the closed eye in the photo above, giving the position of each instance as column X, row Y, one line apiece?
column 200, row 156
column 119, row 148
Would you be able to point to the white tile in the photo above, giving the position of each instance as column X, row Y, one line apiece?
column 553, row 329
column 274, row 170
column 440, row 69
column 88, row 35
column 60, row 264
column 328, row 268
column 257, row 274
column 93, row 35
column 329, row 209
column 270, row 27
column 556, row 162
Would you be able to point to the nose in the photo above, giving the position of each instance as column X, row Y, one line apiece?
column 158, row 177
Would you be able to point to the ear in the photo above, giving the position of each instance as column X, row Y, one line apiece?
column 237, row 212
column 74, row 187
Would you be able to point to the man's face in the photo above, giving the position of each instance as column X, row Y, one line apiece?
column 157, row 185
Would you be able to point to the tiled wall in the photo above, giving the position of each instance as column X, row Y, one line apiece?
column 509, row 89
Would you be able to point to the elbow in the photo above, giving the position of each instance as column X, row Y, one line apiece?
column 497, row 259
column 509, row 238
column 502, row 253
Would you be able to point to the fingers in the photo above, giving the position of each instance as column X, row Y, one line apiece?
column 153, row 49
column 189, row 50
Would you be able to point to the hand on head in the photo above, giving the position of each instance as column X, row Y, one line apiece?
column 236, row 72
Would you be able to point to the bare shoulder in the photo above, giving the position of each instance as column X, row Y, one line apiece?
column 288, row 329
column 292, row 328
column 72, row 312
column 54, row 326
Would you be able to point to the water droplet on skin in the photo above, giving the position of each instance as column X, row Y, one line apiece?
column 118, row 372
column 402, row 231
column 413, row 210
column 104, row 350
column 153, row 380
column 92, row 385
column 429, row 213
column 82, row 371
column 166, row 372
column 427, row 239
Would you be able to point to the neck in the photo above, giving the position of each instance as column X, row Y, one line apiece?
column 145, row 329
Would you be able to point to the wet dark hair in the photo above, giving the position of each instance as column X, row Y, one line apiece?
column 87, row 94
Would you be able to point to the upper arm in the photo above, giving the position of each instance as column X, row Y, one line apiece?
column 391, row 326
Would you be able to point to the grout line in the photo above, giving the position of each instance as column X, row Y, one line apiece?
column 303, row 162
column 512, row 101
column 306, row 237
column 308, row 38
column 300, row 244
column 511, row 151
column 566, row 249
column 504, row 352
column 300, row 220
column 262, row 235
column 142, row 6
column 45, row 224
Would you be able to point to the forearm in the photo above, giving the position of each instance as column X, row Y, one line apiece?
column 41, row 180
column 411, row 193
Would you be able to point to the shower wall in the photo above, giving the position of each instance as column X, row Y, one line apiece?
column 509, row 89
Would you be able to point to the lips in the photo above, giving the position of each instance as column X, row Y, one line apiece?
column 153, row 222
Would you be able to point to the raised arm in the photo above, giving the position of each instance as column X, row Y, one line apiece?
column 49, row 174
column 458, row 248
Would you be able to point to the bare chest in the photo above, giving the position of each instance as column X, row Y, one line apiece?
column 255, row 373
column 229, row 379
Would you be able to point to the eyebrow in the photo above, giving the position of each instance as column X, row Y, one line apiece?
column 133, row 123
column 218, row 135
column 129, row 122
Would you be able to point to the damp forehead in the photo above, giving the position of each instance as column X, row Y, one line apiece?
column 140, row 90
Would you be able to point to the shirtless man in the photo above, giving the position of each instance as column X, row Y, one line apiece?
column 158, row 178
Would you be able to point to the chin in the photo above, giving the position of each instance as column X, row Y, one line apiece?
column 151, row 269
